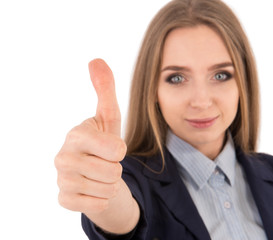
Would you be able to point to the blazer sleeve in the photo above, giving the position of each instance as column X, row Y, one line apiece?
column 130, row 176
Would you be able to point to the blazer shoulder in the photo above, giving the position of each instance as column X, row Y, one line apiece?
column 264, row 158
column 260, row 164
column 267, row 160
column 255, row 157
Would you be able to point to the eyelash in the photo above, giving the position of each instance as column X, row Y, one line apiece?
column 228, row 76
column 169, row 79
column 175, row 75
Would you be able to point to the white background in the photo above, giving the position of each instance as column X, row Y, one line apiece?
column 45, row 90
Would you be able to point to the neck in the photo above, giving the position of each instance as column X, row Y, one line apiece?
column 212, row 149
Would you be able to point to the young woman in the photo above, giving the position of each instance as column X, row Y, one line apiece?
column 190, row 170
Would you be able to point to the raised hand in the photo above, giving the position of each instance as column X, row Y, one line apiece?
column 88, row 164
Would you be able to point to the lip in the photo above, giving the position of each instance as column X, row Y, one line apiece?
column 202, row 123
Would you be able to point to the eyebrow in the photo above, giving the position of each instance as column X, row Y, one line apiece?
column 183, row 68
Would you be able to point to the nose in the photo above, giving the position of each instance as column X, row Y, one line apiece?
column 200, row 97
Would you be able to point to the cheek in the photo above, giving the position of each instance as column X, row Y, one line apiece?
column 171, row 105
column 231, row 100
column 235, row 96
column 165, row 103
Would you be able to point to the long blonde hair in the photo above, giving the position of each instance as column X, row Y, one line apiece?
column 146, row 128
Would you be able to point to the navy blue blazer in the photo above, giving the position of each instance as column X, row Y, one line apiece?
column 167, row 210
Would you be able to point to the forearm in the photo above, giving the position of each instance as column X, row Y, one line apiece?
column 122, row 214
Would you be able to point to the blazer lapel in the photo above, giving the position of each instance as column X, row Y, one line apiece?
column 172, row 191
column 259, row 174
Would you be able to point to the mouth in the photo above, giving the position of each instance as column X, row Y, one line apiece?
column 202, row 123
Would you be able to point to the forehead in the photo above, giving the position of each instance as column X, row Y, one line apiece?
column 193, row 46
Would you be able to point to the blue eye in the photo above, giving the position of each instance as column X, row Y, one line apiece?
column 175, row 79
column 223, row 76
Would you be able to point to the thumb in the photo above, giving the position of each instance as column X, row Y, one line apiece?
column 107, row 114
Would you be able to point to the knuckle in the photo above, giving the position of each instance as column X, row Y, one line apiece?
column 68, row 183
column 120, row 149
column 59, row 181
column 61, row 161
column 123, row 149
column 76, row 135
column 64, row 200
column 57, row 161
column 117, row 171
column 65, row 183
column 64, row 161
column 114, row 189
column 73, row 135
column 68, row 201
column 88, row 122
column 84, row 187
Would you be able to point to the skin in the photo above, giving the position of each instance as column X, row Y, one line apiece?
column 198, row 89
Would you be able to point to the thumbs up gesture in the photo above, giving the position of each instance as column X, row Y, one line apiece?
column 88, row 164
column 108, row 114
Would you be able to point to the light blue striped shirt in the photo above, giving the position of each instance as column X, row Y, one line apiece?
column 219, row 190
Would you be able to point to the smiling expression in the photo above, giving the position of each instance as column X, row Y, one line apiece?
column 197, row 92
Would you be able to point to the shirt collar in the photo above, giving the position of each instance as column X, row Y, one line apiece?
column 195, row 164
column 226, row 160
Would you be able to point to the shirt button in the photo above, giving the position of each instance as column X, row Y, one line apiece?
column 227, row 205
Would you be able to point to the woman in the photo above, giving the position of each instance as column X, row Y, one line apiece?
column 190, row 171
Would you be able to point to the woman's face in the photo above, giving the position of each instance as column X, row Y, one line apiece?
column 197, row 93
